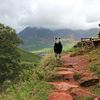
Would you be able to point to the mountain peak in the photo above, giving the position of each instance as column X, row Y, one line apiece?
column 38, row 38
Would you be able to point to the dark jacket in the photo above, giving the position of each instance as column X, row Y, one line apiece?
column 58, row 48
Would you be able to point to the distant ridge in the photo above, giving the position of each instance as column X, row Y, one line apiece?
column 35, row 38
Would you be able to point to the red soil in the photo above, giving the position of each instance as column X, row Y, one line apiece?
column 79, row 62
column 63, row 86
column 66, row 90
column 60, row 96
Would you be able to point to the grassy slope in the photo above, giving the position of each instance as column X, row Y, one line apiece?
column 28, row 56
column 42, row 50
column 66, row 47
column 33, row 85
column 28, row 90
column 94, row 66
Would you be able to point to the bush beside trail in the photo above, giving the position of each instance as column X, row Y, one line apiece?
column 33, row 81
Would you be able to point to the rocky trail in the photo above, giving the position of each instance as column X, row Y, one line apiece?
column 69, row 87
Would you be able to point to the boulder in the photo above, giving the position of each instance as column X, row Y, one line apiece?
column 88, row 79
column 69, row 65
column 66, row 74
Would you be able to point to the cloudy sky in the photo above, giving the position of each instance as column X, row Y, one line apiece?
column 74, row 14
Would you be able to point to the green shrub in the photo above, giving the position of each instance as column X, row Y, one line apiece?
column 32, row 83
column 46, row 69
column 98, row 85
column 77, row 76
column 96, row 69
column 95, row 89
column 94, row 66
column 80, row 51
column 28, row 90
column 9, row 56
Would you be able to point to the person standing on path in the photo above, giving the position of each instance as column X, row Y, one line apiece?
column 58, row 48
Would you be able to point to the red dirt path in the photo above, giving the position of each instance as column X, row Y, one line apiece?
column 79, row 62
column 66, row 90
column 60, row 96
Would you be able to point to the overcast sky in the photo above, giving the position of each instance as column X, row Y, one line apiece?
column 74, row 14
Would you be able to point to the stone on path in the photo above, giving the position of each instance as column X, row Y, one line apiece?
column 63, row 86
column 69, row 88
column 60, row 96
column 65, row 69
column 97, row 98
column 66, row 74
column 70, row 65
column 88, row 79
column 80, row 92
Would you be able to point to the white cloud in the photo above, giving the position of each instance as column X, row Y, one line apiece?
column 75, row 14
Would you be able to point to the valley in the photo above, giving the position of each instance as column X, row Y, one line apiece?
column 35, row 38
column 35, row 74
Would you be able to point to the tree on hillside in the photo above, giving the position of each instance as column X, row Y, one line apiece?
column 9, row 56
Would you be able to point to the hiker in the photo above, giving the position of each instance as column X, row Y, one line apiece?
column 57, row 48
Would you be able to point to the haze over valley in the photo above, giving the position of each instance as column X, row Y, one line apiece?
column 35, row 38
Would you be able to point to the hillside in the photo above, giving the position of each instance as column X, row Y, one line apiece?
column 44, row 82
column 28, row 56
column 38, row 38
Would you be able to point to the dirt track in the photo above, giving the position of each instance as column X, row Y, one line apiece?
column 69, row 88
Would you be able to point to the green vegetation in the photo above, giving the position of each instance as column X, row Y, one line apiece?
column 77, row 76
column 94, row 66
column 47, row 68
column 83, row 98
column 96, row 69
column 36, row 38
column 9, row 56
column 80, row 51
column 45, row 50
column 32, row 83
column 21, row 76
column 28, row 56
column 24, row 76
column 95, row 61
column 28, row 90
column 77, row 51
column 68, row 47
column 95, row 89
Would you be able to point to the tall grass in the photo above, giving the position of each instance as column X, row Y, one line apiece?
column 28, row 90
column 47, row 68
column 94, row 66
column 68, row 47
column 33, row 81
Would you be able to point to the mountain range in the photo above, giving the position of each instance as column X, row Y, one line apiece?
column 35, row 38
